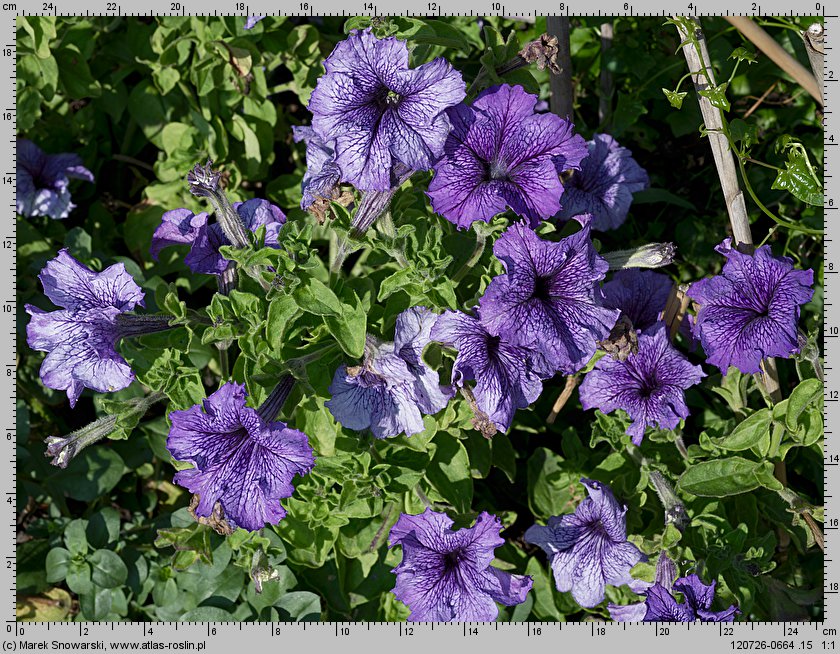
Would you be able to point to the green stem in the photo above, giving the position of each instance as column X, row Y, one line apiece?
column 776, row 440
column 475, row 256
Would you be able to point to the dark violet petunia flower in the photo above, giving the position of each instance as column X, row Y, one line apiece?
column 604, row 185
column 379, row 112
column 43, row 179
column 648, row 385
column 641, row 295
column 588, row 549
column 446, row 576
column 504, row 374
column 182, row 227
column 393, row 388
column 662, row 606
column 243, row 459
column 251, row 21
column 549, row 296
column 81, row 338
column 751, row 310
column 320, row 181
column 500, row 154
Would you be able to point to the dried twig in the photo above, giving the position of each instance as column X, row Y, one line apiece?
column 758, row 102
column 606, row 76
column 571, row 382
column 724, row 159
column 777, row 54
column 814, row 46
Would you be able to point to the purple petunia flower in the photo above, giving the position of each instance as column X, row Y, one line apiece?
column 549, row 296
column 604, row 185
column 322, row 173
column 649, row 385
column 750, row 311
column 42, row 181
column 588, row 549
column 504, row 374
column 501, row 154
column 641, row 295
column 379, row 112
column 446, row 576
column 243, row 459
column 81, row 338
column 393, row 388
column 251, row 21
column 182, row 227
column 660, row 605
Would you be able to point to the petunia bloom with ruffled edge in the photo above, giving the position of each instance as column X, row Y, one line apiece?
column 182, row 227
column 604, row 185
column 42, row 181
column 649, row 385
column 504, row 374
column 378, row 111
column 751, row 310
column 641, row 295
column 501, row 154
column 660, row 605
column 243, row 460
column 446, row 576
column 320, row 181
column 549, row 296
column 393, row 388
column 81, row 338
column 588, row 549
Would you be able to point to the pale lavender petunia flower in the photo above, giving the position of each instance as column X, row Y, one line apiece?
column 380, row 112
column 641, row 295
column 43, row 179
column 446, row 576
column 393, row 388
column 505, row 379
column 501, row 154
column 320, row 181
column 182, row 227
column 251, row 21
column 243, row 459
column 604, row 185
column 649, row 385
column 588, row 549
column 81, row 338
column 549, row 297
column 751, row 310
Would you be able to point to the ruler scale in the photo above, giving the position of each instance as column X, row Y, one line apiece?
column 418, row 637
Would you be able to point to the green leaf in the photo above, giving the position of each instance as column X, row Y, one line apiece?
column 91, row 475
column 103, row 527
column 748, row 433
column 717, row 96
column 41, row 30
column 78, row 577
column 75, row 74
column 75, row 537
column 504, row 456
column 314, row 296
column 107, row 569
column 301, row 606
column 396, row 282
column 350, row 328
column 720, row 478
column 675, row 97
column 798, row 180
column 96, row 605
column 206, row 614
column 742, row 54
column 552, row 487
column 58, row 564
column 281, row 311
column 804, row 394
column 449, row 472
column 764, row 475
